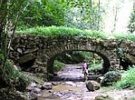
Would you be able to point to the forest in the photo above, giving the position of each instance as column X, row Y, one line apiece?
column 44, row 44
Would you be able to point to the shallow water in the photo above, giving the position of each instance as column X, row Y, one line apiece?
column 76, row 90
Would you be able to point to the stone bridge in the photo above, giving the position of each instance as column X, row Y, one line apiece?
column 41, row 51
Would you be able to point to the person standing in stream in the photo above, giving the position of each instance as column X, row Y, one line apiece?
column 85, row 70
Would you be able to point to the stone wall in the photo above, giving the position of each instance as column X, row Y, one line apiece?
column 39, row 52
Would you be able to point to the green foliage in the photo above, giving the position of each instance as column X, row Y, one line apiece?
column 61, row 31
column 62, row 12
column 10, row 11
column 95, row 34
column 84, row 14
column 9, row 70
column 11, row 94
column 122, row 36
column 58, row 65
column 13, row 77
column 110, row 77
column 96, row 66
column 71, row 57
column 128, row 79
column 131, row 25
column 133, row 98
column 1, row 56
column 44, row 12
column 94, row 61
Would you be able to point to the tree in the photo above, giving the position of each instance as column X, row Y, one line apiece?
column 84, row 14
column 44, row 13
column 131, row 25
column 10, row 11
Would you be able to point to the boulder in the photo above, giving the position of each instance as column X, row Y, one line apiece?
column 110, row 78
column 36, row 90
column 31, row 86
column 99, row 79
column 34, row 94
column 47, row 86
column 92, row 85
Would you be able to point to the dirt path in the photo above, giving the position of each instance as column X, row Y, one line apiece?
column 69, row 85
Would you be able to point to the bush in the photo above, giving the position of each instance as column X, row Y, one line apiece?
column 95, row 67
column 58, row 65
column 11, row 94
column 12, row 77
column 61, row 31
column 122, row 36
column 110, row 77
column 128, row 79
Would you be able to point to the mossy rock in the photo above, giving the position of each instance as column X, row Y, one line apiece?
column 92, row 85
column 110, row 77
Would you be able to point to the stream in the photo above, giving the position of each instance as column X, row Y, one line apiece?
column 69, row 85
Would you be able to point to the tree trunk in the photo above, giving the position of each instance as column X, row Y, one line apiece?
column 115, row 19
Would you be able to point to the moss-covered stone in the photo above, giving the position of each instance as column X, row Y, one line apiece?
column 92, row 85
column 110, row 77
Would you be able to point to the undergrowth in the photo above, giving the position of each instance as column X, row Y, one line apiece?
column 61, row 31
column 58, row 65
column 96, row 66
column 125, row 37
column 128, row 79
column 12, row 77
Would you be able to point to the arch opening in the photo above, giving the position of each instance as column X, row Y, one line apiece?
column 105, row 60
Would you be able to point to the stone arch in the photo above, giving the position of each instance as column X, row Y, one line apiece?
column 107, row 54
column 46, row 48
column 106, row 62
column 104, row 49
